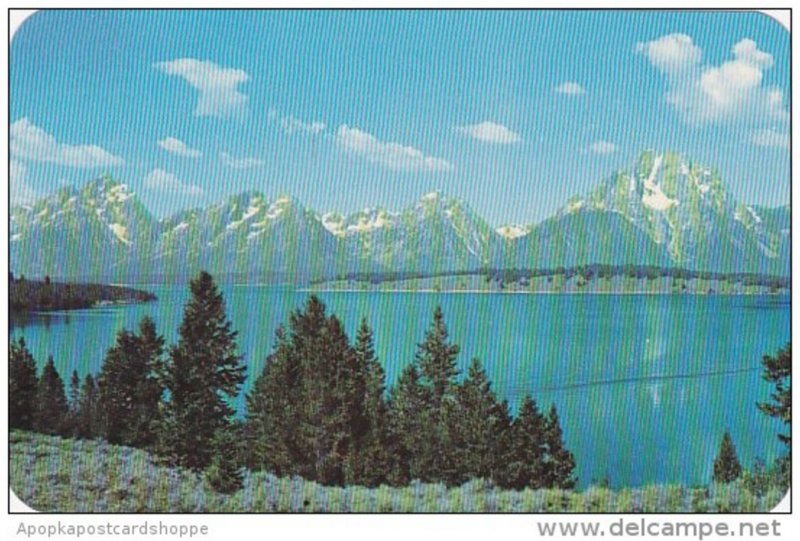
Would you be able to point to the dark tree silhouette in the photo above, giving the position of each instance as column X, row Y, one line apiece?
column 778, row 371
column 203, row 375
column 51, row 402
column 726, row 466
column 22, row 386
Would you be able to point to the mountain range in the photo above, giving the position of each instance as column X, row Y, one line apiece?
column 662, row 211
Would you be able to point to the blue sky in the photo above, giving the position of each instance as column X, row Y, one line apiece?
column 512, row 111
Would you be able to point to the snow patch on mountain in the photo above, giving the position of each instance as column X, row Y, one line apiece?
column 119, row 194
column 333, row 222
column 120, row 231
column 512, row 231
column 575, row 206
column 371, row 221
column 654, row 197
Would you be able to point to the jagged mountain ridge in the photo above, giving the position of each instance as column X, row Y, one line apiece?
column 663, row 211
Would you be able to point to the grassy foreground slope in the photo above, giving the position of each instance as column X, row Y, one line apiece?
column 62, row 475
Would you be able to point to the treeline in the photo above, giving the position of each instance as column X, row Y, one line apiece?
column 320, row 409
column 587, row 272
column 39, row 295
column 649, row 272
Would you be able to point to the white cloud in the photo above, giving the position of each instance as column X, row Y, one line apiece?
column 747, row 51
column 162, row 181
column 179, row 148
column 771, row 138
column 30, row 142
column 290, row 124
column 20, row 191
column 730, row 91
column 391, row 155
column 570, row 88
column 671, row 53
column 239, row 163
column 217, row 85
column 603, row 147
column 490, row 132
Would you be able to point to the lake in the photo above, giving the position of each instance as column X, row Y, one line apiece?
column 645, row 385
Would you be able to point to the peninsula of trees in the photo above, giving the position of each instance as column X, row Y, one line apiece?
column 27, row 295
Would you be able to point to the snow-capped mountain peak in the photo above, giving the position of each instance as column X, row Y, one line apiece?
column 663, row 210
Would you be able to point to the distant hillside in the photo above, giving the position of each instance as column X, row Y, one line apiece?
column 664, row 210
column 33, row 295
column 52, row 474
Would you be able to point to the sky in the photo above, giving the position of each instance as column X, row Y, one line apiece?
column 513, row 111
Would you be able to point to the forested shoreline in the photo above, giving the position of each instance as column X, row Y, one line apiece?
column 320, row 410
column 27, row 295
column 612, row 279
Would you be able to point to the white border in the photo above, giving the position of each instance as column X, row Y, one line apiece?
column 349, row 527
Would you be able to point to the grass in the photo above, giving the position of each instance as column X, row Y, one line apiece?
column 52, row 474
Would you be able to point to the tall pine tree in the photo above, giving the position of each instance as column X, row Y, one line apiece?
column 22, row 386
column 369, row 459
column 130, row 387
column 270, row 427
column 481, row 426
column 560, row 463
column 51, row 401
column 528, row 449
column 409, row 425
column 203, row 375
column 436, row 358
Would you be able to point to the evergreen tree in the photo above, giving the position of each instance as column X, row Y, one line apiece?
column 726, row 466
column 88, row 418
column 51, row 402
column 560, row 462
column 778, row 371
column 409, row 425
column 435, row 361
column 204, row 373
column 481, row 426
column 335, row 418
column 369, row 458
column 308, row 413
column 333, row 391
column 269, row 428
column 130, row 389
column 436, row 358
column 22, row 386
column 528, row 449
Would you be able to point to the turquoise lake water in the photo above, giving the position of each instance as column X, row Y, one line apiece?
column 645, row 385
